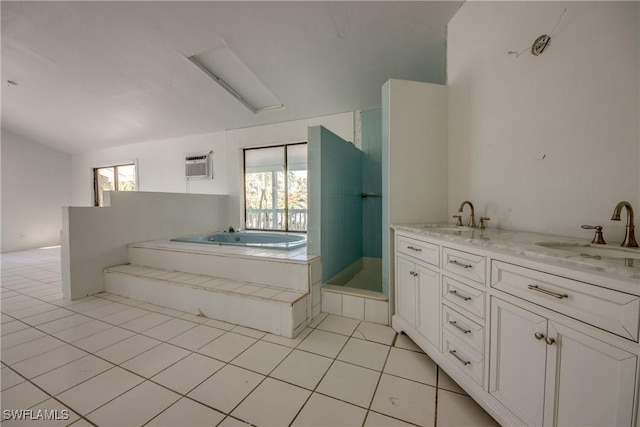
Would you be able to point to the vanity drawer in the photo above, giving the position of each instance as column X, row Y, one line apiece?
column 423, row 251
column 464, row 296
column 465, row 329
column 464, row 357
column 613, row 311
column 465, row 264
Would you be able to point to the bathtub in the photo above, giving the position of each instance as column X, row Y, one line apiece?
column 257, row 239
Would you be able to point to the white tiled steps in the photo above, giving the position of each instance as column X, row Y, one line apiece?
column 276, row 310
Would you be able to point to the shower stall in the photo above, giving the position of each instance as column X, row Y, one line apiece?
column 345, row 206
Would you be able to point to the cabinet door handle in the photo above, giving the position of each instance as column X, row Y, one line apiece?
column 550, row 341
column 455, row 325
column 414, row 249
column 454, row 354
column 413, row 273
column 547, row 292
column 456, row 294
column 538, row 336
column 459, row 264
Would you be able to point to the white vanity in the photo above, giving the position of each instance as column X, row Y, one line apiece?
column 537, row 335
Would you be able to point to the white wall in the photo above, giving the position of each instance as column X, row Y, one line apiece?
column 161, row 163
column 36, row 182
column 94, row 238
column 414, row 161
column 160, row 166
column 551, row 142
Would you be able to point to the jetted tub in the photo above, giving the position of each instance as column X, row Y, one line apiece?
column 257, row 239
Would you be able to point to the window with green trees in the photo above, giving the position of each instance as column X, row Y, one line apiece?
column 113, row 178
column 275, row 188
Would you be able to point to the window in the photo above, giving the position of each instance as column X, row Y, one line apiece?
column 113, row 178
column 275, row 188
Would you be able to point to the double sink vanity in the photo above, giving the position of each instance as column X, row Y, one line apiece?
column 539, row 330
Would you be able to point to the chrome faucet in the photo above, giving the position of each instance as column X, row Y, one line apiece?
column 629, row 238
column 472, row 218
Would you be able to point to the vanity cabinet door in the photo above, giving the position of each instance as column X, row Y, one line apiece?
column 406, row 290
column 549, row 374
column 428, row 288
column 589, row 382
column 518, row 358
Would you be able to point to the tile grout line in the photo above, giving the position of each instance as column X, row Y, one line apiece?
column 50, row 396
column 191, row 352
column 328, row 369
column 276, row 379
column 386, row 359
column 334, row 359
column 126, row 369
column 369, row 410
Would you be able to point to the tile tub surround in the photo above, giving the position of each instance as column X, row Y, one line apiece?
column 283, row 269
column 279, row 311
column 520, row 244
column 196, row 371
column 268, row 289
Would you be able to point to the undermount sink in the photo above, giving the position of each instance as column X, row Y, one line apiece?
column 593, row 251
column 447, row 228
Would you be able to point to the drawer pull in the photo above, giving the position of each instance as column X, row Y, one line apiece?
column 414, row 249
column 459, row 264
column 547, row 292
column 454, row 354
column 456, row 294
column 455, row 325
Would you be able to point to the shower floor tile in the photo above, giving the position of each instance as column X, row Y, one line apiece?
column 119, row 361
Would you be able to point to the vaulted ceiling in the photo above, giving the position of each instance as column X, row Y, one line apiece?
column 85, row 75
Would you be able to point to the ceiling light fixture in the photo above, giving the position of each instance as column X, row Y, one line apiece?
column 226, row 69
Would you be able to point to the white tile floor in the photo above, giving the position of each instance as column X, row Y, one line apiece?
column 113, row 361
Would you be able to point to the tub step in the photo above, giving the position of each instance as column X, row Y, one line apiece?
column 271, row 268
column 267, row 308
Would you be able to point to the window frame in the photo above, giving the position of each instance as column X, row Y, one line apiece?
column 286, row 186
column 115, row 165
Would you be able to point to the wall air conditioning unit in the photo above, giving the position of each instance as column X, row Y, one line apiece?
column 198, row 166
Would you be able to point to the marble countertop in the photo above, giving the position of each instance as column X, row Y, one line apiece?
column 523, row 244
